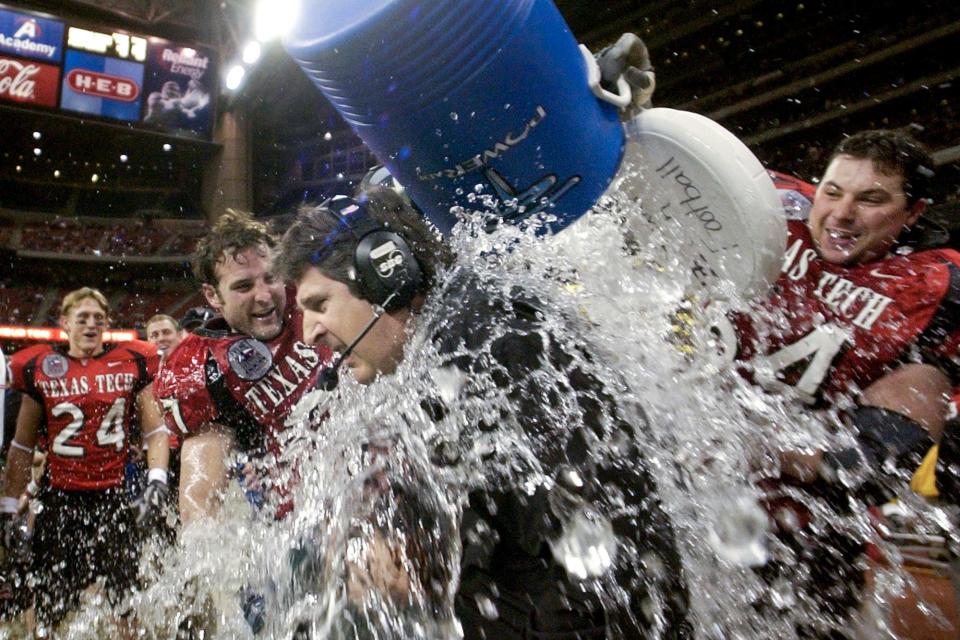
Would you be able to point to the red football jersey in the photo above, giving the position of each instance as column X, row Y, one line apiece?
column 235, row 380
column 832, row 330
column 88, row 404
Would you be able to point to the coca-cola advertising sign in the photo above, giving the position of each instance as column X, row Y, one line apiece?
column 28, row 82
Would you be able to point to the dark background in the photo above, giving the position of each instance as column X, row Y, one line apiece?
column 789, row 78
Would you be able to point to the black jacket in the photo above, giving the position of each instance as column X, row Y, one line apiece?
column 529, row 364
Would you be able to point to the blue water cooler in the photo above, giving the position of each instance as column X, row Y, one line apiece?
column 460, row 98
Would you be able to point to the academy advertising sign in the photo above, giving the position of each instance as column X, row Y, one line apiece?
column 31, row 36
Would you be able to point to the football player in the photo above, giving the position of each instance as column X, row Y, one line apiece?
column 230, row 384
column 84, row 395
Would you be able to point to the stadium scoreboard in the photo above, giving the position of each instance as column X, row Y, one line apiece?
column 51, row 63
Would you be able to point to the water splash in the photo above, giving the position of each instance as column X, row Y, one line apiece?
column 382, row 483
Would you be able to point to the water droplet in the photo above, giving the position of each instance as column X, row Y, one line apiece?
column 454, row 116
column 738, row 535
column 587, row 545
column 449, row 381
column 486, row 607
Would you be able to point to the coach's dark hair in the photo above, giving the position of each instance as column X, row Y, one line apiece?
column 232, row 233
column 319, row 228
column 893, row 153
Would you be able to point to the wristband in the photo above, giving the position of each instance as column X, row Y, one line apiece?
column 157, row 474
column 33, row 489
column 160, row 429
column 8, row 504
column 17, row 445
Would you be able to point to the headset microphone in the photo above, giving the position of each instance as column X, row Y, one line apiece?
column 329, row 378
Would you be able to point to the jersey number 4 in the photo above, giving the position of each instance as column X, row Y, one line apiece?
column 109, row 434
column 818, row 349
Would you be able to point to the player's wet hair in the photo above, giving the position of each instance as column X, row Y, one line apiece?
column 318, row 227
column 232, row 233
column 77, row 296
column 893, row 153
column 160, row 317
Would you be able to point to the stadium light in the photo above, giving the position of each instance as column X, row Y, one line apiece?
column 272, row 19
column 251, row 52
column 235, row 77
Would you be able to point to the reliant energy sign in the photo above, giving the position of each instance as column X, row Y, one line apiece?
column 83, row 69
column 179, row 87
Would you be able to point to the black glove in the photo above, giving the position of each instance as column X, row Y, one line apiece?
column 150, row 505
column 15, row 537
column 628, row 58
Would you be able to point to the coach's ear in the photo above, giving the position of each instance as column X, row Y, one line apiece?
column 916, row 210
column 213, row 297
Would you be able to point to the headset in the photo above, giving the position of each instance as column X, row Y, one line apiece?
column 387, row 272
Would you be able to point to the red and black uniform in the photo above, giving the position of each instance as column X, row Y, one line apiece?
column 831, row 330
column 218, row 376
column 85, row 529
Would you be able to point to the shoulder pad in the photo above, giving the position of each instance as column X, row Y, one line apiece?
column 21, row 365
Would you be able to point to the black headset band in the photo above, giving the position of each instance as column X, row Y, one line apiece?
column 374, row 273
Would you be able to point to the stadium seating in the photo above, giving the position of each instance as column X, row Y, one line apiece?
column 72, row 237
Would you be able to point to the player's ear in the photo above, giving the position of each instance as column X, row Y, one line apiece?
column 63, row 322
column 213, row 297
column 916, row 210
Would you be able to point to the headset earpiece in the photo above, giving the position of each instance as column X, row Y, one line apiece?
column 385, row 264
column 382, row 259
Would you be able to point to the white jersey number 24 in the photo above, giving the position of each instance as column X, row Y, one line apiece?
column 110, row 433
